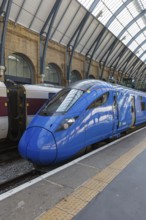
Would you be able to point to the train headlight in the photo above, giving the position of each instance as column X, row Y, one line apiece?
column 66, row 124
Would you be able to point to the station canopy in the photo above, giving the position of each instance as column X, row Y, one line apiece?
column 111, row 32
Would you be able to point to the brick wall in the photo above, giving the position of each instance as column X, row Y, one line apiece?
column 21, row 40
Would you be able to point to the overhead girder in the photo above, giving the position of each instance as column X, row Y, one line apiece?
column 114, row 44
column 20, row 11
column 76, row 37
column 40, row 3
column 70, row 23
column 126, row 63
column 139, row 72
column 63, row 14
column 122, row 53
column 131, row 23
column 142, row 55
column 87, row 41
column 117, row 60
column 142, row 78
column 117, row 12
column 4, row 28
column 50, row 20
column 135, row 36
column 139, row 46
column 95, row 45
column 137, row 69
column 83, row 34
column 139, row 76
column 123, row 59
column 2, row 7
column 133, row 65
column 116, row 54
column 131, row 68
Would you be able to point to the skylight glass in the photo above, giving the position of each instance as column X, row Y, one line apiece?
column 123, row 12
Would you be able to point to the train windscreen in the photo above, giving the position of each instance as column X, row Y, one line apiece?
column 61, row 102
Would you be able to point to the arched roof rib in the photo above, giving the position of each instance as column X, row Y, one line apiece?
column 50, row 19
column 91, row 37
column 2, row 7
column 114, row 45
column 7, row 5
column 76, row 35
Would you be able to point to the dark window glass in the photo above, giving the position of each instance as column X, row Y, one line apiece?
column 52, row 74
column 100, row 101
column 143, row 106
column 61, row 102
column 140, row 98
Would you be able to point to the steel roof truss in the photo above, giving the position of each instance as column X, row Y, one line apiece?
column 4, row 30
column 61, row 19
column 134, row 67
column 40, row 3
column 16, row 20
column 50, row 20
column 76, row 36
column 2, row 7
column 95, row 45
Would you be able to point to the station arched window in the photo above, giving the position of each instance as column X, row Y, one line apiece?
column 75, row 76
column 91, row 76
column 52, row 74
column 19, row 69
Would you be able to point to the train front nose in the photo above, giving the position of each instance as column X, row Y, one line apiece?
column 38, row 145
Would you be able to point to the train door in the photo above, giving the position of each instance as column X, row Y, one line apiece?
column 16, row 111
column 115, row 113
column 133, row 111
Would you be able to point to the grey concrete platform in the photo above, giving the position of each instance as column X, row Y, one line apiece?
column 123, row 198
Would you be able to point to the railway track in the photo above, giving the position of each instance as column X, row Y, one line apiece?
column 11, row 183
column 9, row 156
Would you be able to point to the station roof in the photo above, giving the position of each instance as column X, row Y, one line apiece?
column 111, row 32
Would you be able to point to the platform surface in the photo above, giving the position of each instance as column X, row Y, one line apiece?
column 123, row 198
column 108, row 184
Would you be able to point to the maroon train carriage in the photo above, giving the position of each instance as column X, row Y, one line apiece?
column 18, row 104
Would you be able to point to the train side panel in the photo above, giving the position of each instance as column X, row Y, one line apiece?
column 99, row 117
column 3, row 111
column 124, row 110
column 35, row 98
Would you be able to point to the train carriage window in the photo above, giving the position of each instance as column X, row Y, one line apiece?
column 143, row 106
column 75, row 76
column 53, row 74
column 100, row 101
column 19, row 69
column 140, row 98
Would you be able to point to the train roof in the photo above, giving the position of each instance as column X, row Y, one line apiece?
column 2, row 84
column 89, row 84
column 94, row 84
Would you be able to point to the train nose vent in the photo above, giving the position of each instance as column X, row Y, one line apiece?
column 41, row 146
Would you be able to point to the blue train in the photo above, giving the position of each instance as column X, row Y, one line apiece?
column 80, row 115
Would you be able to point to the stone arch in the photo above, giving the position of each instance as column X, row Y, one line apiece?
column 91, row 76
column 75, row 76
column 20, row 69
column 53, row 74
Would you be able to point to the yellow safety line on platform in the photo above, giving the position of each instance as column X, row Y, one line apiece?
column 70, row 206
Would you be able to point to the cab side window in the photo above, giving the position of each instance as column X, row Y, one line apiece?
column 100, row 101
